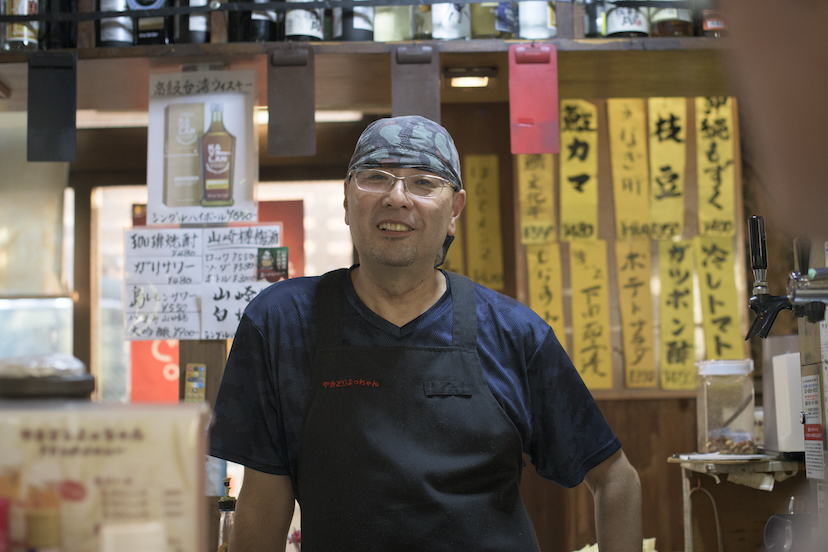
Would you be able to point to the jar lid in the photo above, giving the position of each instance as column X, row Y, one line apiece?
column 725, row 367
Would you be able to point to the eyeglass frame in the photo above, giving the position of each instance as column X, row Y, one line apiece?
column 449, row 183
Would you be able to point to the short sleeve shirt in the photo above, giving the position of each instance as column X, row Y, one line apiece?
column 258, row 414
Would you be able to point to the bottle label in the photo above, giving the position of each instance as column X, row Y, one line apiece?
column 627, row 20
column 22, row 32
column 713, row 20
column 671, row 14
column 218, row 160
column 450, row 21
column 304, row 22
column 505, row 17
column 363, row 20
column 536, row 20
column 198, row 23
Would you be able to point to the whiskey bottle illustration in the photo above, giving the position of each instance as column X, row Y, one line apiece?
column 218, row 153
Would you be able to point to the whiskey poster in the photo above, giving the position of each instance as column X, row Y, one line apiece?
column 201, row 149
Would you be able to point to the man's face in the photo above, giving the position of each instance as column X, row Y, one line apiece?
column 396, row 229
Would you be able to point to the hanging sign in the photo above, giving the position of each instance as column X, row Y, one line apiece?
column 201, row 148
column 715, row 262
column 591, row 348
column 632, row 258
column 543, row 268
column 579, row 170
column 536, row 199
column 715, row 166
column 675, row 269
column 485, row 239
column 668, row 141
column 630, row 170
column 533, row 98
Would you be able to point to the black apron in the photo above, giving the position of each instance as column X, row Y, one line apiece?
column 406, row 448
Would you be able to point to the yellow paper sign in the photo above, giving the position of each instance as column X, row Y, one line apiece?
column 579, row 170
column 543, row 267
column 717, row 284
column 668, row 156
column 455, row 258
column 632, row 260
column 536, row 198
column 630, row 170
column 591, row 352
column 716, row 171
column 484, row 242
column 675, row 269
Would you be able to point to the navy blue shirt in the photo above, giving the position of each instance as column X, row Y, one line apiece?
column 258, row 414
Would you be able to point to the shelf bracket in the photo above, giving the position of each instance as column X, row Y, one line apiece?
column 52, row 106
column 291, row 102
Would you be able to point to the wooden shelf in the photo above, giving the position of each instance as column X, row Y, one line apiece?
column 357, row 75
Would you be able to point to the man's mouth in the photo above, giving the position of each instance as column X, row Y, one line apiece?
column 393, row 227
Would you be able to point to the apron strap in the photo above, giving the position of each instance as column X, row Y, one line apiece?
column 329, row 309
column 464, row 318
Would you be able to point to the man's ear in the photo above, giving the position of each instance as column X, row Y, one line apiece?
column 457, row 205
column 345, row 202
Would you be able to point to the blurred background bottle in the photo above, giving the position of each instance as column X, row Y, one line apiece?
column 671, row 21
column 493, row 20
column 151, row 30
column 114, row 32
column 191, row 28
column 422, row 22
column 714, row 20
column 255, row 26
column 393, row 23
column 594, row 18
column 59, row 34
column 304, row 25
column 450, row 21
column 536, row 20
column 355, row 23
column 626, row 22
column 21, row 36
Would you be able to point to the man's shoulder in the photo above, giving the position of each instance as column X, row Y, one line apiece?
column 280, row 298
column 491, row 303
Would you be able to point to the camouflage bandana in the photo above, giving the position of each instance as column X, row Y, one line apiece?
column 408, row 142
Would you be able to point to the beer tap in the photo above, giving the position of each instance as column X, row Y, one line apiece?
column 807, row 287
column 765, row 305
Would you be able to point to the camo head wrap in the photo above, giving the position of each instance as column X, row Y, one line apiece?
column 408, row 142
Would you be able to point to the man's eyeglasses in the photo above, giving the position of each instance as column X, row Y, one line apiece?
column 377, row 181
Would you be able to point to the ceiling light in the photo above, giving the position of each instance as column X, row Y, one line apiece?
column 320, row 116
column 470, row 77
column 92, row 118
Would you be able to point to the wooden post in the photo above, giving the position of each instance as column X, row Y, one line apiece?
column 86, row 29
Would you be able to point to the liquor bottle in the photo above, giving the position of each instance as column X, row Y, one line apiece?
column 192, row 28
column 536, row 20
column 60, row 34
column 227, row 513
column 422, row 22
column 255, row 26
column 21, row 36
column 393, row 23
column 671, row 22
column 714, row 21
column 304, row 25
column 626, row 22
column 353, row 23
column 114, row 32
column 450, row 21
column 218, row 155
column 150, row 30
column 594, row 18
column 493, row 20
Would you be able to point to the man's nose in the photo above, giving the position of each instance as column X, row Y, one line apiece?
column 399, row 193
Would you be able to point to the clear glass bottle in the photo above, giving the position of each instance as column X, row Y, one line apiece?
column 393, row 23
column 724, row 406
column 450, row 21
column 305, row 25
column 227, row 515
column 116, row 31
column 218, row 156
column 353, row 24
column 626, row 22
column 594, row 18
column 21, row 36
column 422, row 22
column 493, row 20
column 536, row 20
column 671, row 22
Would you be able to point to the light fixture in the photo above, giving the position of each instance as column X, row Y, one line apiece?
column 92, row 118
column 320, row 116
column 470, row 77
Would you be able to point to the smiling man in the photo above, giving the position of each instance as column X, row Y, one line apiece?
column 395, row 401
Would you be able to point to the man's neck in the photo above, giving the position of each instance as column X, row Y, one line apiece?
column 398, row 295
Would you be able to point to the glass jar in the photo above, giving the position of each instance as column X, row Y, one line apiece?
column 724, row 406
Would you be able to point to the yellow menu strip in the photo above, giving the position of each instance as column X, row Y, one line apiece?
column 484, row 242
column 632, row 259
column 630, row 169
column 536, row 199
column 720, row 310
column 543, row 267
column 668, row 157
column 715, row 166
column 579, row 171
column 675, row 269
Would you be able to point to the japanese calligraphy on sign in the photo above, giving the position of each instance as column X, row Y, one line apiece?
column 591, row 352
column 543, row 267
column 668, row 141
column 536, row 199
column 630, row 168
column 675, row 268
column 717, row 284
column 484, row 241
column 201, row 149
column 579, row 170
column 192, row 283
column 715, row 166
column 632, row 259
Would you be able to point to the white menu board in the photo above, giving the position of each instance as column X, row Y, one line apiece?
column 192, row 283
